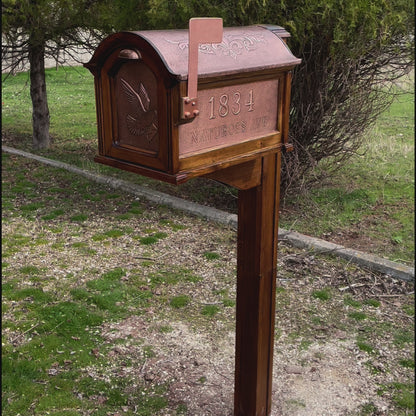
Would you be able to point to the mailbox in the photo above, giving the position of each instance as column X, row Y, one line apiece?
column 176, row 104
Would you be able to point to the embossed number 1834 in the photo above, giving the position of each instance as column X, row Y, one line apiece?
column 227, row 103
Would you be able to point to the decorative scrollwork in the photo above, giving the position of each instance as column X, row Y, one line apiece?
column 232, row 45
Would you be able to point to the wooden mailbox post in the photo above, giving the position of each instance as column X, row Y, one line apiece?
column 178, row 104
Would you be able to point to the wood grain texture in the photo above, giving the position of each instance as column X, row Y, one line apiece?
column 256, row 287
column 243, row 176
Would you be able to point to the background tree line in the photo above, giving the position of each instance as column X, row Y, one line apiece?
column 352, row 52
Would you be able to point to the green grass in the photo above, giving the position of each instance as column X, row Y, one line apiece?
column 405, row 398
column 407, row 363
column 153, row 238
column 348, row 300
column 57, row 358
column 174, row 226
column 55, row 316
column 179, row 301
column 211, row 255
column 114, row 233
column 374, row 190
column 181, row 410
column 55, row 213
column 210, row 310
column 172, row 276
column 70, row 93
column 323, row 294
column 30, row 270
column 62, row 347
column 364, row 346
column 229, row 303
column 358, row 316
column 371, row 195
column 403, row 337
column 46, row 380
column 373, row 302
column 367, row 409
column 403, row 395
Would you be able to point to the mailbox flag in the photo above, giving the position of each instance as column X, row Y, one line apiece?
column 201, row 30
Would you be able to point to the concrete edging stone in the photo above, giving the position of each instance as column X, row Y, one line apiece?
column 370, row 261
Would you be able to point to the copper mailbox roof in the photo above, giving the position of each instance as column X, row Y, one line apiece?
column 243, row 49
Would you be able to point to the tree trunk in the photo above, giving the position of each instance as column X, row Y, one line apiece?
column 40, row 115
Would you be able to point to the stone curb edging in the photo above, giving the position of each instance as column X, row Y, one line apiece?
column 369, row 261
column 393, row 269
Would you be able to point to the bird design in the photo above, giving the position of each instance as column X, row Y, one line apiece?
column 144, row 121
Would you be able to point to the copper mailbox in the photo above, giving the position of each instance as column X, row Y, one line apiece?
column 148, row 124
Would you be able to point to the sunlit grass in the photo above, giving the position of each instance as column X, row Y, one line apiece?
column 372, row 194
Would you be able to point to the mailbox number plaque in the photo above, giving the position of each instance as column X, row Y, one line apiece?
column 231, row 115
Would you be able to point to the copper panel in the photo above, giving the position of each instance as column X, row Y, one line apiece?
column 243, row 49
column 231, row 115
column 136, row 124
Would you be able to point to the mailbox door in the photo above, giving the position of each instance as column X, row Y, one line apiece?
column 133, row 110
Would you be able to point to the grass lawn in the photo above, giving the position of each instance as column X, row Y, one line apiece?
column 116, row 306
column 368, row 204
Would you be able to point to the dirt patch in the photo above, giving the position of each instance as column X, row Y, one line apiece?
column 343, row 338
column 327, row 379
column 331, row 381
column 318, row 371
column 197, row 366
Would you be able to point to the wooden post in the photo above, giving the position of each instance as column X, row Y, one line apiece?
column 258, row 213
